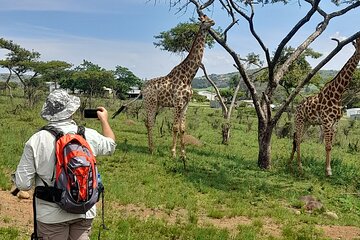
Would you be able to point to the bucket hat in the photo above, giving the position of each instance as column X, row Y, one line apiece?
column 59, row 105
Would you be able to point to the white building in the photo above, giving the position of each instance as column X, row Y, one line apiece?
column 209, row 95
column 52, row 86
column 353, row 113
column 133, row 92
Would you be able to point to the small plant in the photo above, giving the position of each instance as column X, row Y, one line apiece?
column 216, row 213
column 6, row 219
column 307, row 232
column 354, row 147
column 9, row 233
column 247, row 232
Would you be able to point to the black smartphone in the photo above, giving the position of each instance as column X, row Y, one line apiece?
column 90, row 113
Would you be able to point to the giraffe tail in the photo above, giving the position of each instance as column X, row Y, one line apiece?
column 123, row 107
column 119, row 111
column 294, row 142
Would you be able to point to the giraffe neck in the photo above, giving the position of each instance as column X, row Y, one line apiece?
column 344, row 76
column 189, row 66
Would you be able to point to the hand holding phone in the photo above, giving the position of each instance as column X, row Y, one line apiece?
column 90, row 113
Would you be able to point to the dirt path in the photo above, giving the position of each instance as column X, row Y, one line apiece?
column 18, row 213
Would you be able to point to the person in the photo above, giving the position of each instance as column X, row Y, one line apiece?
column 37, row 163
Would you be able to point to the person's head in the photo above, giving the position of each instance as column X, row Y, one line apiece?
column 59, row 105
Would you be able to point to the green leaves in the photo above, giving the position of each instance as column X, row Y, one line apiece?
column 180, row 38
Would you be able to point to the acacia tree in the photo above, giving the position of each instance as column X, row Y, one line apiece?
column 296, row 72
column 245, row 9
column 55, row 71
column 124, row 79
column 21, row 62
column 90, row 78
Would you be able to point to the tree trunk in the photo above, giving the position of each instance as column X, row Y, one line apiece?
column 225, row 133
column 264, row 139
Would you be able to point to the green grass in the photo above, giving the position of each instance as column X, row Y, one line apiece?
column 9, row 233
column 219, row 182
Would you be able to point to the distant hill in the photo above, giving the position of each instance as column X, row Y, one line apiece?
column 4, row 76
column 222, row 80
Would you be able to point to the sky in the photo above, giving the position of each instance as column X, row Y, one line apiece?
column 113, row 33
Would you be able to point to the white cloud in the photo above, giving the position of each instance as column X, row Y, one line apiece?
column 142, row 59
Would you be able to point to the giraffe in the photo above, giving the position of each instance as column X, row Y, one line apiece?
column 174, row 90
column 324, row 109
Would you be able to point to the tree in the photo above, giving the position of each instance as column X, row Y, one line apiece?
column 297, row 71
column 55, row 71
column 245, row 9
column 90, row 79
column 124, row 80
column 20, row 62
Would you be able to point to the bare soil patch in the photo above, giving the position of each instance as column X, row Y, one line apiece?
column 17, row 213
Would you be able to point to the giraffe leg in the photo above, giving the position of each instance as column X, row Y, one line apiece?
column 299, row 126
column 179, row 129
column 182, row 140
column 149, row 123
column 175, row 134
column 182, row 131
column 298, row 152
column 176, row 129
column 292, row 152
column 328, row 134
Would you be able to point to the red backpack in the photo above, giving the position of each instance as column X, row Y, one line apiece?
column 76, row 187
column 77, row 184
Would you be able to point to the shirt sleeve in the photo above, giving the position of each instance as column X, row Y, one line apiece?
column 100, row 144
column 25, row 172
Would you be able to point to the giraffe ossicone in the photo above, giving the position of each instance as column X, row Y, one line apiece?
column 324, row 109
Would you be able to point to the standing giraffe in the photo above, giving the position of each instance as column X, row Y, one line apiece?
column 174, row 90
column 324, row 109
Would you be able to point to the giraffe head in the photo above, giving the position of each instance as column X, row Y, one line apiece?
column 356, row 44
column 206, row 22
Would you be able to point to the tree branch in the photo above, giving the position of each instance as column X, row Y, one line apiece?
column 251, row 26
column 223, row 105
column 293, row 31
column 321, row 27
column 312, row 73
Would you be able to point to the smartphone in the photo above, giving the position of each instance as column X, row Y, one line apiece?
column 90, row 113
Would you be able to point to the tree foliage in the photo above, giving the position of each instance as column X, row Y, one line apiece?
column 180, row 38
column 90, row 78
column 124, row 80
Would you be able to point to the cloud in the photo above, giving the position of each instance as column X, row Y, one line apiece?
column 142, row 59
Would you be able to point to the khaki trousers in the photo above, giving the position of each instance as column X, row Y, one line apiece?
column 78, row 229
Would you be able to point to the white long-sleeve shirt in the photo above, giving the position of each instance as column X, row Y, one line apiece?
column 38, row 161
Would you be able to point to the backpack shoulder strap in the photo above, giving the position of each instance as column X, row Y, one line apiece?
column 81, row 131
column 53, row 130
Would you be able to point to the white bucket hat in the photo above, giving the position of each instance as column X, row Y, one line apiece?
column 59, row 105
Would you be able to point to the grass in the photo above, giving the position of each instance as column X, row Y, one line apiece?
column 219, row 182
